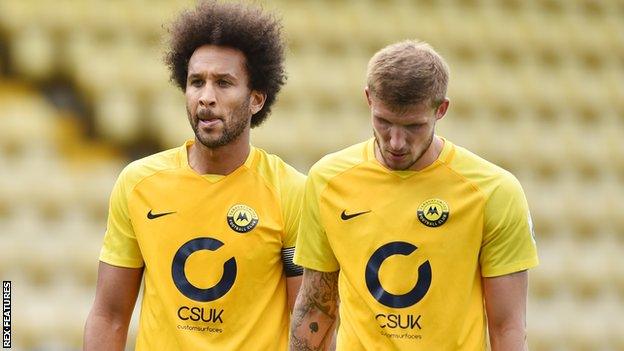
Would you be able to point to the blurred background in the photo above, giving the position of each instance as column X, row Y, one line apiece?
column 536, row 87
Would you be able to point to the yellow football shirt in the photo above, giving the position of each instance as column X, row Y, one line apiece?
column 412, row 246
column 212, row 250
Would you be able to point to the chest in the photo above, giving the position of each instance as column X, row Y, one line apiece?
column 237, row 217
column 439, row 216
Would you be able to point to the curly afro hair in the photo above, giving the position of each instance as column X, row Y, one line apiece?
column 255, row 33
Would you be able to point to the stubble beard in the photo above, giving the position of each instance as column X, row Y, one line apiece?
column 231, row 131
column 420, row 155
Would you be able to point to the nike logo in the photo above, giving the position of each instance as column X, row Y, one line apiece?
column 151, row 215
column 344, row 216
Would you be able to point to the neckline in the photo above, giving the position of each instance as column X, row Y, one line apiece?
column 213, row 178
column 444, row 157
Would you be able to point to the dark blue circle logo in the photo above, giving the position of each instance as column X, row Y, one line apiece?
column 187, row 288
column 374, row 285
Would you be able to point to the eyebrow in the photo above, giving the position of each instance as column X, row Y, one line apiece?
column 379, row 117
column 216, row 75
column 409, row 124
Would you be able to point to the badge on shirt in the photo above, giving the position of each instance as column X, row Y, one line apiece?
column 433, row 212
column 242, row 218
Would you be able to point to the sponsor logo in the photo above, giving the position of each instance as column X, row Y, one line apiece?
column 200, row 314
column 197, row 328
column 402, row 321
column 345, row 217
column 151, row 215
column 401, row 335
column 374, row 285
column 186, row 287
column 242, row 218
column 433, row 212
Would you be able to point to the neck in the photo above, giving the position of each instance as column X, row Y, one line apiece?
column 221, row 160
column 429, row 157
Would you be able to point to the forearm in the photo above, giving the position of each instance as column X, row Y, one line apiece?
column 505, row 302
column 315, row 313
column 293, row 284
column 116, row 293
column 508, row 339
column 104, row 333
column 312, row 329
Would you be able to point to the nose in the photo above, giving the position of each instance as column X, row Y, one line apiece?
column 397, row 139
column 207, row 97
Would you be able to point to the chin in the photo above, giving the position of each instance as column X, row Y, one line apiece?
column 210, row 134
column 401, row 167
column 210, row 141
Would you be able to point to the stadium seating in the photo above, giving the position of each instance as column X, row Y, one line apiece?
column 536, row 86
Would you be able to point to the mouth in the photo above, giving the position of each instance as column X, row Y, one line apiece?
column 394, row 156
column 207, row 119
column 397, row 154
column 208, row 122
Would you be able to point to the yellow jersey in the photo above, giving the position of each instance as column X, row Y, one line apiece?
column 212, row 248
column 412, row 247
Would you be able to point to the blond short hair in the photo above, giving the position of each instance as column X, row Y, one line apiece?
column 408, row 73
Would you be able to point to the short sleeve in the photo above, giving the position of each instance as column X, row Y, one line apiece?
column 508, row 244
column 313, row 249
column 120, row 246
column 291, row 196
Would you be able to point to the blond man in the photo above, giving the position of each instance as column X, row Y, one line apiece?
column 418, row 238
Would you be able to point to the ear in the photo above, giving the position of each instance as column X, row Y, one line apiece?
column 441, row 110
column 368, row 95
column 256, row 101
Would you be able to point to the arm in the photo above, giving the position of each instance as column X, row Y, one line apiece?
column 316, row 312
column 292, row 289
column 505, row 303
column 116, row 293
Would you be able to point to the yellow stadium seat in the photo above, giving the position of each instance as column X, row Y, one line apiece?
column 593, row 272
column 117, row 115
column 167, row 118
column 99, row 178
column 33, row 52
column 615, row 326
column 15, row 14
column 544, row 325
column 39, row 318
column 551, row 276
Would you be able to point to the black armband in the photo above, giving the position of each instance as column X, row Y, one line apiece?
column 290, row 268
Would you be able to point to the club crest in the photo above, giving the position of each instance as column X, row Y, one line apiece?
column 433, row 212
column 242, row 218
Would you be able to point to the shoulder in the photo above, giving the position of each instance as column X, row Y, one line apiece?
column 339, row 162
column 275, row 171
column 485, row 175
column 145, row 167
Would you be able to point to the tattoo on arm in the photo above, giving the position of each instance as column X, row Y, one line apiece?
column 315, row 311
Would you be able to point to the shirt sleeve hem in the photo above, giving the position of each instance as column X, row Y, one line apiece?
column 315, row 265
column 510, row 268
column 118, row 262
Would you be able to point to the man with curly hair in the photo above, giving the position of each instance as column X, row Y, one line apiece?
column 210, row 225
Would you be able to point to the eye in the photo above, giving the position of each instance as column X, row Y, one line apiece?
column 197, row 82
column 223, row 83
column 415, row 126
column 382, row 122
